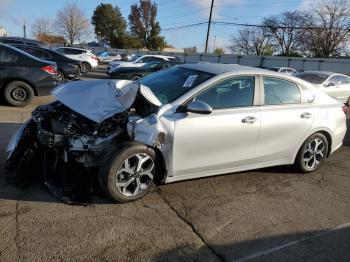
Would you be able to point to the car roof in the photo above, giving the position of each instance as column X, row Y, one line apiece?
column 327, row 73
column 215, row 68
column 160, row 56
column 82, row 49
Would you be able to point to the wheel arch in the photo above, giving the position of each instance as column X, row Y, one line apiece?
column 6, row 81
column 325, row 131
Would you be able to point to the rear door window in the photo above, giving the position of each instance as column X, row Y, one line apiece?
column 34, row 52
column 280, row 92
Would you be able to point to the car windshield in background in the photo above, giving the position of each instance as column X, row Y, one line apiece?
column 134, row 58
column 170, row 84
column 313, row 78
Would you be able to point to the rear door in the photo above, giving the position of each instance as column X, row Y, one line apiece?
column 342, row 88
column 285, row 119
column 8, row 62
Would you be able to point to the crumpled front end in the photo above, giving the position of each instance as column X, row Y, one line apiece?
column 66, row 141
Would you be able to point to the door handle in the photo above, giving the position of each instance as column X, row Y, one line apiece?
column 306, row 115
column 249, row 120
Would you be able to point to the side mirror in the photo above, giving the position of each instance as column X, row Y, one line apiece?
column 198, row 107
column 329, row 84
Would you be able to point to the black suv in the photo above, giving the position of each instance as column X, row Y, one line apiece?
column 67, row 68
column 23, row 76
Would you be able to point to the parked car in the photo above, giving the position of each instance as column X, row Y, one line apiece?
column 336, row 85
column 284, row 70
column 67, row 68
column 185, row 122
column 23, row 76
column 135, row 73
column 22, row 41
column 138, row 61
column 106, row 57
column 86, row 57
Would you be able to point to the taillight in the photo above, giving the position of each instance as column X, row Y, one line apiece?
column 345, row 109
column 94, row 57
column 49, row 69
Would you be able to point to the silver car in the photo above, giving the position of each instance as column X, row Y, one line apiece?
column 189, row 121
column 336, row 85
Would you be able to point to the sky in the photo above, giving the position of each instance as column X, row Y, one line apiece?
column 171, row 13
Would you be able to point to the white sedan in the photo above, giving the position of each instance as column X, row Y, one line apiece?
column 189, row 121
column 336, row 85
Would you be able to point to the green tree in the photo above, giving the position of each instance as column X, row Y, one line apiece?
column 109, row 25
column 144, row 26
column 219, row 51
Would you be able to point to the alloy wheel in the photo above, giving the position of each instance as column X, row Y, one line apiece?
column 314, row 153
column 135, row 175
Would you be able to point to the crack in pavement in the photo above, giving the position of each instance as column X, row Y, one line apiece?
column 219, row 256
column 17, row 230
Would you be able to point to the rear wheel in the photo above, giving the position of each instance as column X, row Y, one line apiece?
column 128, row 173
column 18, row 93
column 60, row 77
column 312, row 153
column 85, row 67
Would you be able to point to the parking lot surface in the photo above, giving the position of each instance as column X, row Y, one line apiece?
column 273, row 214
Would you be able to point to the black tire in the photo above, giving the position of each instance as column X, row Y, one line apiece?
column 60, row 77
column 115, row 160
column 85, row 67
column 18, row 93
column 306, row 152
column 135, row 78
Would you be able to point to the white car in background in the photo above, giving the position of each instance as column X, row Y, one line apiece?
column 87, row 58
column 138, row 61
column 284, row 70
column 336, row 85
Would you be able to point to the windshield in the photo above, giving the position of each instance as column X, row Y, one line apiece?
column 313, row 78
column 168, row 85
column 133, row 58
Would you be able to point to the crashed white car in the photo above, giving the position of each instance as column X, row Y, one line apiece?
column 185, row 122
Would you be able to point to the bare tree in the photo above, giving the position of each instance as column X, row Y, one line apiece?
column 42, row 26
column 284, row 31
column 71, row 22
column 251, row 41
column 330, row 20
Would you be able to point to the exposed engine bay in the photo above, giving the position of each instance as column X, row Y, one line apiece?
column 64, row 145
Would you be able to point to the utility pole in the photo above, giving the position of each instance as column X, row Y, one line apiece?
column 24, row 30
column 209, row 22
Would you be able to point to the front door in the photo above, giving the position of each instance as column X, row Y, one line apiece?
column 222, row 140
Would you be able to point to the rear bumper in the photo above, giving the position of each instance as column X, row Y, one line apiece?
column 45, row 86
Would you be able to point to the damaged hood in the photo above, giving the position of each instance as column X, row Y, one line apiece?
column 101, row 99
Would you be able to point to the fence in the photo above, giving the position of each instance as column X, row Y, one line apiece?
column 338, row 65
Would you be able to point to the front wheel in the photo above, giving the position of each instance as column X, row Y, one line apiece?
column 312, row 153
column 128, row 173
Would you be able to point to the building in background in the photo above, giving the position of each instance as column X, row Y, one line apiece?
column 3, row 32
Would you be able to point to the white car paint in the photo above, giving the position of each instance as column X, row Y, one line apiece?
column 141, row 61
column 82, row 55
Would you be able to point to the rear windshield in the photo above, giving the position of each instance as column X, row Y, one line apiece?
column 313, row 78
column 168, row 85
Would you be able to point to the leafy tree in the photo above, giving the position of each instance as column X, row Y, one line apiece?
column 144, row 26
column 109, row 25
column 219, row 51
column 50, row 39
column 71, row 22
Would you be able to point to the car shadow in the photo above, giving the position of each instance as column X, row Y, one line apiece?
column 320, row 245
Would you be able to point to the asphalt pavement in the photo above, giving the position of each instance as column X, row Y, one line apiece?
column 273, row 214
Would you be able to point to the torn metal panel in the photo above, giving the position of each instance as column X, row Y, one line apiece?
column 97, row 99
column 149, row 130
